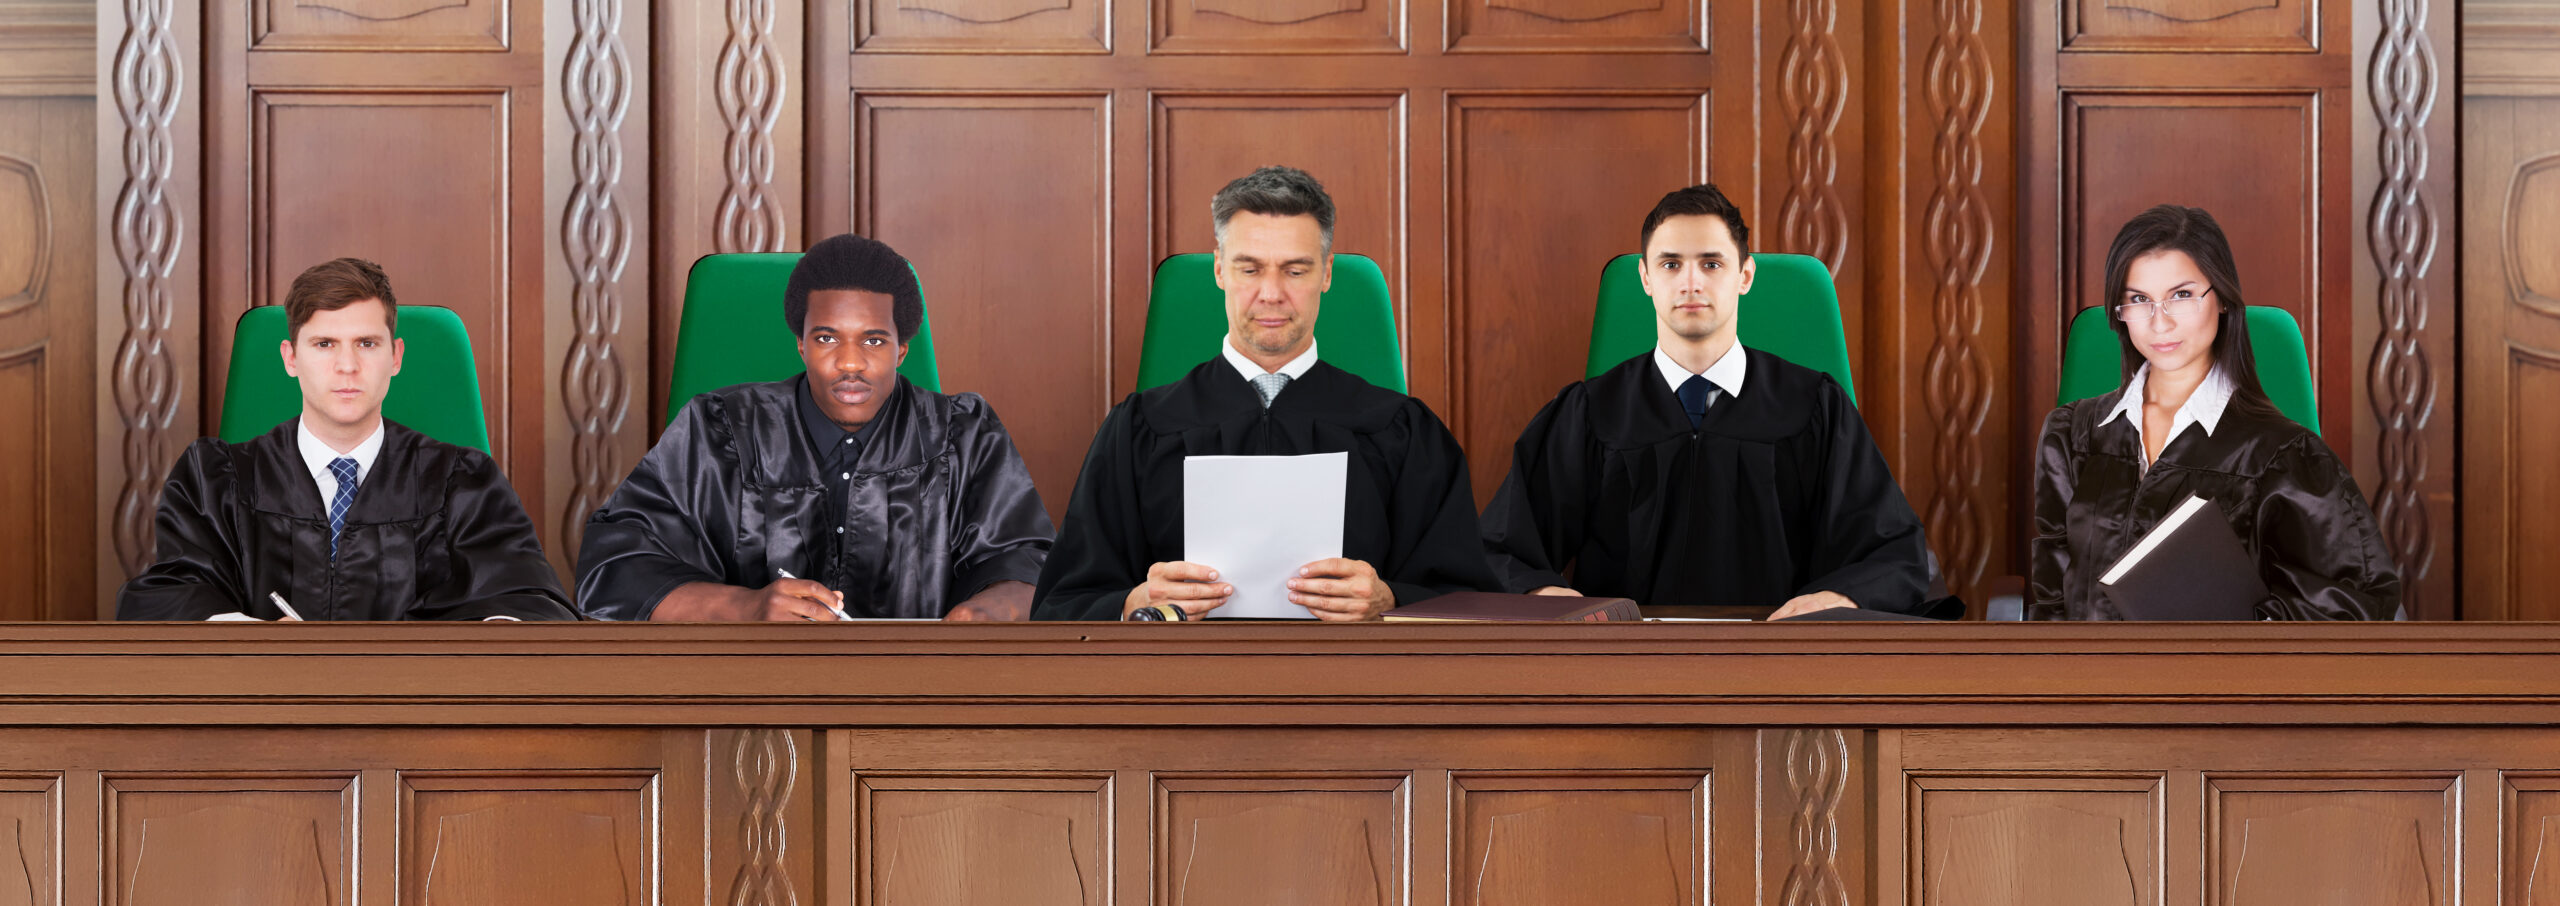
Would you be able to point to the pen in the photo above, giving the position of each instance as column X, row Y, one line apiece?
column 288, row 608
column 839, row 611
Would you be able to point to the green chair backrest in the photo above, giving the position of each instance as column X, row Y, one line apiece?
column 1792, row 312
column 2092, row 361
column 1187, row 319
column 436, row 393
column 732, row 331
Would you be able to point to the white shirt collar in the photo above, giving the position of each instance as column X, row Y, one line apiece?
column 2203, row 408
column 1297, row 367
column 1726, row 373
column 316, row 454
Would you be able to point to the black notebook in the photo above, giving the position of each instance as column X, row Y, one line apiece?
column 2191, row 567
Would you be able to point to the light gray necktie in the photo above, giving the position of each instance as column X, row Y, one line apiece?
column 1269, row 386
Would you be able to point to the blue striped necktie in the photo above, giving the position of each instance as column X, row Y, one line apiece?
column 345, row 469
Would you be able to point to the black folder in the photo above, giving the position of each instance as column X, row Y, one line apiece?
column 2191, row 567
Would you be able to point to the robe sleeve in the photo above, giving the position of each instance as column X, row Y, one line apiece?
column 2319, row 550
column 1002, row 531
column 498, row 567
column 197, row 545
column 1535, row 521
column 1871, row 548
column 655, row 532
column 2049, row 552
column 1101, row 550
column 1437, row 547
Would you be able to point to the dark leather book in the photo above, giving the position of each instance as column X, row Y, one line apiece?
column 1482, row 606
column 2191, row 567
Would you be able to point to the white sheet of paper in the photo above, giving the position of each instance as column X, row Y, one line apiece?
column 1256, row 519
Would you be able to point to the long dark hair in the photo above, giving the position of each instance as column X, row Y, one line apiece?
column 2174, row 228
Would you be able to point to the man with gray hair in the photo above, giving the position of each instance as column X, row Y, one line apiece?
column 1408, row 516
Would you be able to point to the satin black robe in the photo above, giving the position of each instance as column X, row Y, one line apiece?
column 940, row 507
column 1408, row 510
column 1780, row 492
column 434, row 533
column 2293, row 505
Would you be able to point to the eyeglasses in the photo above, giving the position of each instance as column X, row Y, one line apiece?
column 2179, row 309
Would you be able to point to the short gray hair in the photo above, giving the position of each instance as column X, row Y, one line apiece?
column 1274, row 192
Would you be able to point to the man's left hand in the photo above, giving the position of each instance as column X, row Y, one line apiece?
column 1820, row 600
column 1002, row 602
column 1341, row 590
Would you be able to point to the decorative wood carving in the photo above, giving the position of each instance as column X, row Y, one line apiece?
column 28, row 829
column 2402, row 234
column 977, row 837
column 1575, row 10
column 748, row 86
column 1575, row 26
column 2346, row 841
column 595, row 237
column 1957, row 239
column 2533, row 223
column 765, row 764
column 2010, row 840
column 1324, row 838
column 1812, row 87
column 382, row 10
column 24, row 200
column 986, row 12
column 2191, row 11
column 1817, row 765
column 235, row 840
column 147, row 80
column 575, row 839
column 1526, row 839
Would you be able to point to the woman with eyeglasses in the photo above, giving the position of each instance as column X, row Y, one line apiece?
column 2192, row 419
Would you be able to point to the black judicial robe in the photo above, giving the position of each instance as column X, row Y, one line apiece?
column 2295, row 508
column 940, row 507
column 434, row 533
column 1779, row 492
column 1408, row 509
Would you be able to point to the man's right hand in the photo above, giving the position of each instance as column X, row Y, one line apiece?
column 1556, row 591
column 1190, row 586
column 785, row 599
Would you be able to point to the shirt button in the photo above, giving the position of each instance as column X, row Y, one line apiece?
column 848, row 476
column 839, row 529
column 848, row 440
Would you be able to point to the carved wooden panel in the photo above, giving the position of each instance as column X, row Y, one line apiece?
column 1278, row 26
column 25, row 568
column 232, row 841
column 30, row 821
column 149, row 297
column 2344, row 841
column 570, row 839
column 1523, row 328
column 927, row 840
column 2511, row 361
column 2027, row 840
column 2191, row 25
column 441, row 230
column 2530, row 831
column 930, row 166
column 2529, row 484
column 761, row 776
column 981, row 26
column 48, row 373
column 602, row 253
column 2530, row 230
column 1578, row 26
column 1636, row 839
column 379, row 25
column 2409, row 232
column 1352, row 143
column 1264, row 839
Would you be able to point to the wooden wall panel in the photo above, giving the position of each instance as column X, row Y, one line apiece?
column 2020, row 841
column 585, row 839
column 1277, row 26
column 2174, row 26
column 961, row 839
column 988, row 26
column 1600, row 162
column 1353, row 143
column 1578, row 26
column 2344, row 841
column 2529, row 828
column 768, row 779
column 48, row 373
column 30, row 822
column 1556, row 839
column 2510, row 305
column 932, row 167
column 379, row 25
column 1261, row 839
column 231, row 841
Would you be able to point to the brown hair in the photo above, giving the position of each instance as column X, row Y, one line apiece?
column 332, row 285
column 2193, row 232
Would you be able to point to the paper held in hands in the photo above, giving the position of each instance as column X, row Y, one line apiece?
column 1257, row 519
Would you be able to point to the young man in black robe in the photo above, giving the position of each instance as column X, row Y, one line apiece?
column 344, row 514
column 1408, row 520
column 1703, row 472
column 842, row 490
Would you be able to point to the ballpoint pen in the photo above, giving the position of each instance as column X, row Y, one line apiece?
column 839, row 611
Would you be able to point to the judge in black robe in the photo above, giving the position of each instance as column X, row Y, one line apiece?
column 873, row 494
column 1407, row 510
column 1777, row 493
column 434, row 533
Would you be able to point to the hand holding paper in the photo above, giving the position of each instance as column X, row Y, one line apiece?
column 1258, row 520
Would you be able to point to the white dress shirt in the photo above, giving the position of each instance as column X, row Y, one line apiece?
column 1297, row 367
column 316, row 454
column 1726, row 374
column 2202, row 409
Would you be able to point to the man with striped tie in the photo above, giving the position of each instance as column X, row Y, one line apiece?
column 341, row 514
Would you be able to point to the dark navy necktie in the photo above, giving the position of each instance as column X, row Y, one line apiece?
column 345, row 469
column 1695, row 396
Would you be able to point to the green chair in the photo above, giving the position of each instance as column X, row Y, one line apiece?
column 732, row 330
column 1187, row 318
column 436, row 393
column 2092, row 361
column 1792, row 311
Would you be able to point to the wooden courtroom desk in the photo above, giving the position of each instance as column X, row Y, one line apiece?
column 1790, row 765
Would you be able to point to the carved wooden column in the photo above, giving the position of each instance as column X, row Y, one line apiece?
column 596, row 151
